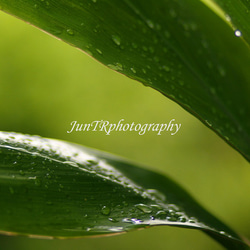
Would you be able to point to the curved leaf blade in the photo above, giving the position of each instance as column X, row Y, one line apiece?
column 180, row 48
column 236, row 13
column 56, row 189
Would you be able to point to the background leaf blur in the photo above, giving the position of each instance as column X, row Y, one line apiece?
column 45, row 85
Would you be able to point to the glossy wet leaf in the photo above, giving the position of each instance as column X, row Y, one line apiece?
column 57, row 189
column 184, row 49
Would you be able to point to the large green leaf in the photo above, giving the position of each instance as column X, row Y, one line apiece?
column 56, row 189
column 183, row 48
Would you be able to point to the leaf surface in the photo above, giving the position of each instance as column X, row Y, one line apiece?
column 236, row 13
column 55, row 189
column 184, row 49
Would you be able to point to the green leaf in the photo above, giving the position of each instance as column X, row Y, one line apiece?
column 236, row 13
column 184, row 49
column 52, row 188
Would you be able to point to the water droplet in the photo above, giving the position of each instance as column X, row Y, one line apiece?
column 133, row 70
column 105, row 210
column 172, row 218
column 116, row 39
column 117, row 66
column 127, row 220
column 70, row 32
column 226, row 234
column 99, row 51
column 166, row 68
column 221, row 71
column 56, row 31
column 113, row 220
column 92, row 162
column 182, row 219
column 150, row 24
column 161, row 214
column 157, row 194
column 192, row 220
column 228, row 18
column 208, row 123
column 144, row 208
column 238, row 33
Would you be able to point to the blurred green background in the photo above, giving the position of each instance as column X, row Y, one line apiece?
column 46, row 84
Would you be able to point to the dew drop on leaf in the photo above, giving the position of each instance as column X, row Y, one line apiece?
column 117, row 66
column 99, row 51
column 161, row 214
column 238, row 33
column 208, row 123
column 150, row 24
column 113, row 220
column 228, row 18
column 70, row 32
column 133, row 70
column 166, row 68
column 116, row 39
column 221, row 71
column 105, row 210
column 182, row 219
column 144, row 208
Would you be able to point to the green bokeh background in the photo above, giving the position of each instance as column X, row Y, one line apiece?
column 46, row 84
